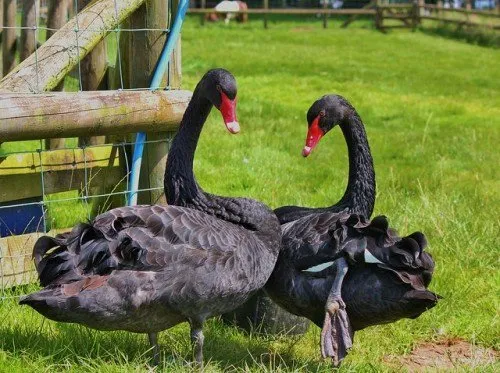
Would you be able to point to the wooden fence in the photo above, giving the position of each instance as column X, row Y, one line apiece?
column 114, row 102
column 385, row 15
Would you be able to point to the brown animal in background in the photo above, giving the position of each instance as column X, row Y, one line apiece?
column 231, row 12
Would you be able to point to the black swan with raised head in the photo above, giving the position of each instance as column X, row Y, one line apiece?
column 387, row 279
column 311, row 238
column 359, row 196
column 145, row 269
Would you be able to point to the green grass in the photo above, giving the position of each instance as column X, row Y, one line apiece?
column 431, row 107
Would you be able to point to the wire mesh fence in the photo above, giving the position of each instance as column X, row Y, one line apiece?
column 65, row 186
column 46, row 189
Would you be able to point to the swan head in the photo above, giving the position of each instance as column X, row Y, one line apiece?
column 219, row 87
column 322, row 116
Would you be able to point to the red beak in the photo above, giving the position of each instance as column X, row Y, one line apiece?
column 228, row 111
column 314, row 134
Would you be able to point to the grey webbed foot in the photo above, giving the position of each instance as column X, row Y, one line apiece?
column 336, row 336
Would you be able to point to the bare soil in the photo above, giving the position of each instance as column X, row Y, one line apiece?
column 445, row 354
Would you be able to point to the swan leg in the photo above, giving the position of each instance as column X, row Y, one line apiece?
column 336, row 335
column 153, row 341
column 197, row 339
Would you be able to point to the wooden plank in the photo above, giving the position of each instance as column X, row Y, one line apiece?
column 58, row 160
column 175, row 65
column 486, row 13
column 266, row 9
column 61, row 52
column 396, row 6
column 353, row 17
column 31, row 9
column 463, row 23
column 93, row 69
column 63, row 170
column 97, row 179
column 379, row 16
column 56, row 16
column 325, row 16
column 73, row 114
column 56, row 19
column 1, row 28
column 16, row 264
column 140, row 53
column 9, row 36
column 203, row 7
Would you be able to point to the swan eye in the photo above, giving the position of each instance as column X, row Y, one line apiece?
column 219, row 88
column 322, row 113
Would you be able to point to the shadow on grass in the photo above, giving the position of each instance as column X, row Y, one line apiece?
column 225, row 347
column 471, row 35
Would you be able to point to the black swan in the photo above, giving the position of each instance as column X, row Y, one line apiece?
column 387, row 281
column 359, row 196
column 309, row 233
column 145, row 269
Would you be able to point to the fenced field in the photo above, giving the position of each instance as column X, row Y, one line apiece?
column 432, row 117
column 386, row 14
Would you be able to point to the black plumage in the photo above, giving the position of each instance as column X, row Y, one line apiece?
column 373, row 293
column 313, row 236
column 332, row 238
column 147, row 268
column 359, row 196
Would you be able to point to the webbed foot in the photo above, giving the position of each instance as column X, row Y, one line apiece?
column 336, row 335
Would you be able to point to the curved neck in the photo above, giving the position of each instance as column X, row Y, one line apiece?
column 182, row 189
column 359, row 196
column 179, row 182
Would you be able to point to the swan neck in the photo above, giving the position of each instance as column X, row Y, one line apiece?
column 180, row 183
column 359, row 195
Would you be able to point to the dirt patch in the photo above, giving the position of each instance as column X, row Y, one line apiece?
column 446, row 354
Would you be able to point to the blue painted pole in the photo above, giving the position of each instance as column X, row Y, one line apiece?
column 160, row 70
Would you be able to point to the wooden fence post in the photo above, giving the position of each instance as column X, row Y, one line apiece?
column 379, row 16
column 70, row 6
column 175, row 66
column 56, row 18
column 31, row 10
column 202, row 15
column 93, row 69
column 1, row 25
column 417, row 10
column 9, row 36
column 468, row 7
column 266, row 7
column 140, row 51
column 439, row 10
column 1, row 31
column 325, row 16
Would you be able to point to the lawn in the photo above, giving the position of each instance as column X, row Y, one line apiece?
column 431, row 107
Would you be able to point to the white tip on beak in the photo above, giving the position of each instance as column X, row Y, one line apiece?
column 306, row 151
column 233, row 127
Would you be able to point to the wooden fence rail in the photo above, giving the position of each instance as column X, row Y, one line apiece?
column 46, row 115
column 289, row 11
column 486, row 13
column 57, row 56
column 90, row 113
column 410, row 14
